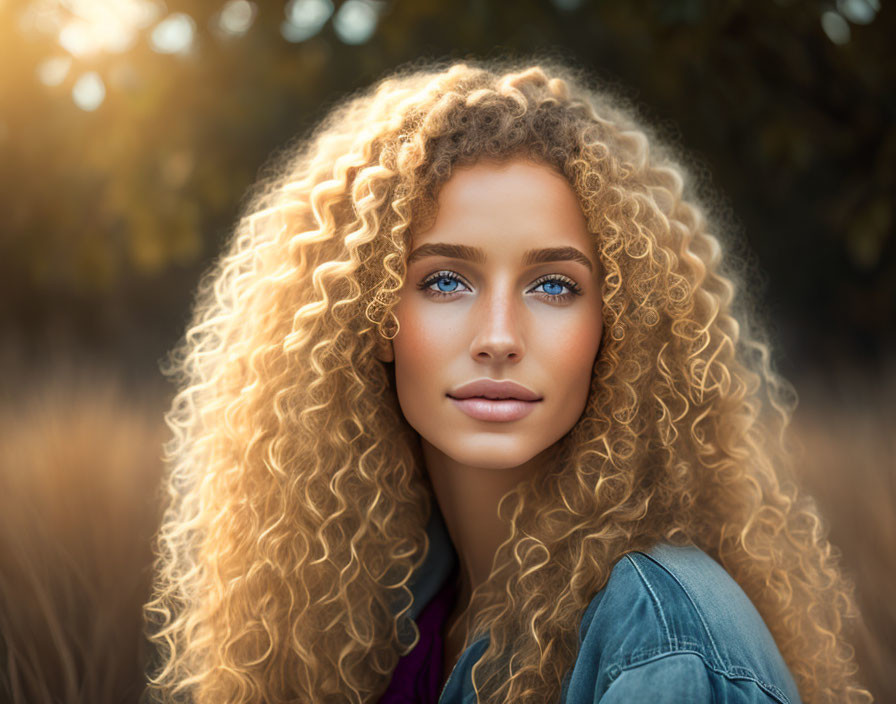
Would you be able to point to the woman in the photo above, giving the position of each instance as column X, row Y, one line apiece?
column 470, row 410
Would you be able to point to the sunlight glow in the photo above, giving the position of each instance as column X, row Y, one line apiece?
column 90, row 27
column 42, row 17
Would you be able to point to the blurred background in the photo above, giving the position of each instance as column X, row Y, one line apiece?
column 131, row 130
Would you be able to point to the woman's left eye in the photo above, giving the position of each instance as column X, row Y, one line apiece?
column 553, row 284
column 447, row 283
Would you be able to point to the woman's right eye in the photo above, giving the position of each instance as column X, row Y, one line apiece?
column 445, row 283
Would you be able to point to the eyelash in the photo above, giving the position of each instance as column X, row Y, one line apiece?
column 574, row 288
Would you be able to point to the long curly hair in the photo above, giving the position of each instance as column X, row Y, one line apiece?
column 298, row 498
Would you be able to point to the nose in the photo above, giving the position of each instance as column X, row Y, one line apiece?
column 497, row 328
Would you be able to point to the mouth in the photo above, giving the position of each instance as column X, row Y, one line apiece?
column 494, row 390
column 494, row 409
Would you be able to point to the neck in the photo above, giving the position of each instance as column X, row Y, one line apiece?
column 468, row 498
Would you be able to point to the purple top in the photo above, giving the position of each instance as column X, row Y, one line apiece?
column 417, row 676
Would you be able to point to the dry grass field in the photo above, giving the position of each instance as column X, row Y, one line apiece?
column 79, row 502
column 846, row 424
column 78, row 506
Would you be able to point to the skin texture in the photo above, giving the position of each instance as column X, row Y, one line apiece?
column 496, row 322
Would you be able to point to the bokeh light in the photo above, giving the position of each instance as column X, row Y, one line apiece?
column 235, row 18
column 53, row 71
column 174, row 34
column 305, row 18
column 835, row 27
column 356, row 20
column 858, row 11
column 89, row 91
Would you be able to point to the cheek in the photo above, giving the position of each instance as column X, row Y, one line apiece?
column 570, row 350
column 415, row 340
column 421, row 351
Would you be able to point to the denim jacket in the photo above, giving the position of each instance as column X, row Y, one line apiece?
column 670, row 626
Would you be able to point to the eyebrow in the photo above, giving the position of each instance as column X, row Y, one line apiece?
column 477, row 254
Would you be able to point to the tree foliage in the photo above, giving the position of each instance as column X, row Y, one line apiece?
column 112, row 213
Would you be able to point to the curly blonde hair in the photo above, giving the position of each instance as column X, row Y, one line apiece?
column 298, row 499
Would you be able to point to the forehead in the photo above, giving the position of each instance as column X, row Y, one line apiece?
column 507, row 206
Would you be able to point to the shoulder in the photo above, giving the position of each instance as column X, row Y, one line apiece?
column 671, row 617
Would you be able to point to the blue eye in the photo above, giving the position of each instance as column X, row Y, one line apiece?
column 449, row 281
column 446, row 281
column 556, row 287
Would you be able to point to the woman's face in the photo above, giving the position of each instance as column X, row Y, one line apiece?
column 503, row 286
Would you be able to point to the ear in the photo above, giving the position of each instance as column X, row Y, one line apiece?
column 384, row 351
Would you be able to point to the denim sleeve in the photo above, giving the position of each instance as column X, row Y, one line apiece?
column 681, row 677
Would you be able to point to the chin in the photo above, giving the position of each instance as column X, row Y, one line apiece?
column 489, row 454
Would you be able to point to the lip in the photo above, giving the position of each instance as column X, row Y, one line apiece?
column 494, row 390
column 490, row 410
column 492, row 400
